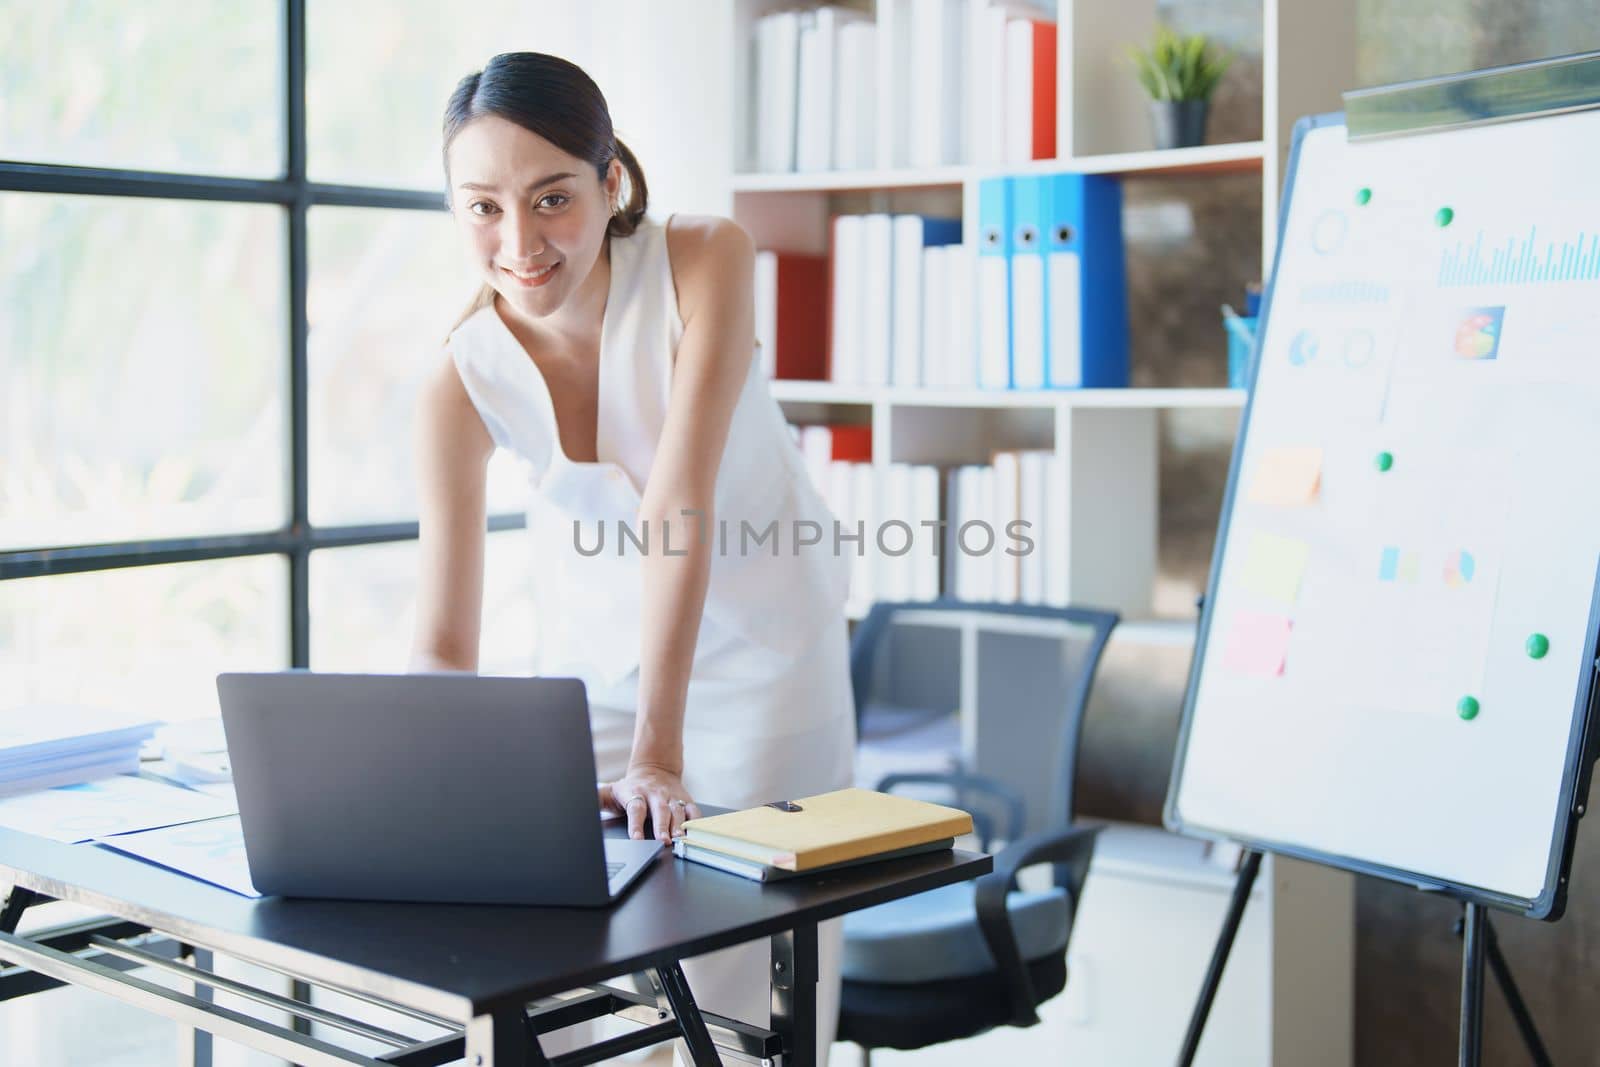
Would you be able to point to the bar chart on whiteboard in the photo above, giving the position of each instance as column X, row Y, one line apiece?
column 1528, row 257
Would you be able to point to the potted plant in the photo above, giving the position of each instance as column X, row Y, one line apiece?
column 1179, row 72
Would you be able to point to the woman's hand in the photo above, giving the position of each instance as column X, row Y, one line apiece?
column 656, row 791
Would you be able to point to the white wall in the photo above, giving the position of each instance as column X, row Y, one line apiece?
column 667, row 72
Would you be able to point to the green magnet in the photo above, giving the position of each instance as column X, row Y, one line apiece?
column 1537, row 646
column 1363, row 195
column 1443, row 216
column 1384, row 461
column 1467, row 707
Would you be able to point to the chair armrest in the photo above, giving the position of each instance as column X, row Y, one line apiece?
column 1070, row 850
column 962, row 782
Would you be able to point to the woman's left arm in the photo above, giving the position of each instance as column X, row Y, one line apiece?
column 713, row 263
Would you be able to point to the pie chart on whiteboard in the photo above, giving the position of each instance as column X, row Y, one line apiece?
column 1478, row 335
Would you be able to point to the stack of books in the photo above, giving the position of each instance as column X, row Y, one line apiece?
column 889, row 303
column 821, row 833
column 1020, row 501
column 46, row 746
column 924, row 84
column 1035, row 299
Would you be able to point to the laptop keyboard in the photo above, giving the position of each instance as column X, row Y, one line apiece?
column 613, row 868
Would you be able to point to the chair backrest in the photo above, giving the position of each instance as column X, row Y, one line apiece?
column 1020, row 673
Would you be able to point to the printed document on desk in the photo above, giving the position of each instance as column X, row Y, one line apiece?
column 117, row 805
column 212, row 851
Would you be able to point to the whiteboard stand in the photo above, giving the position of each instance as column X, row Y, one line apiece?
column 1479, row 945
column 1508, row 986
column 1249, row 867
column 1455, row 842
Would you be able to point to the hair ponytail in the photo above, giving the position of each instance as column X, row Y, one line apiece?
column 628, row 215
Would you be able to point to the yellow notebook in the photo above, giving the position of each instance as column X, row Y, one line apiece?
column 846, row 824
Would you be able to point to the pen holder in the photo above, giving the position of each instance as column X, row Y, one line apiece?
column 1241, row 343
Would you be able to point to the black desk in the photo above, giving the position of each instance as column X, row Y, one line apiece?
column 474, row 968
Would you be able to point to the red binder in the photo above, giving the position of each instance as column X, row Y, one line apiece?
column 852, row 443
column 1044, row 89
column 802, row 327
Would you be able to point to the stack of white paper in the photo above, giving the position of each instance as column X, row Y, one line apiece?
column 119, row 805
column 49, row 745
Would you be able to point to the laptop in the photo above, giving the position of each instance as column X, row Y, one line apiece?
column 450, row 788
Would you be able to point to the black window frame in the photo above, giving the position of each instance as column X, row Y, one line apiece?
column 296, row 195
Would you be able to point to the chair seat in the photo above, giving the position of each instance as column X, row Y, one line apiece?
column 934, row 936
column 916, row 1016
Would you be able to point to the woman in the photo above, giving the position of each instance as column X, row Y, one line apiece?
column 614, row 355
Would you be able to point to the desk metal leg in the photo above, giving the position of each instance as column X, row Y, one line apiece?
column 18, row 901
column 695, row 1034
column 794, row 993
column 300, row 992
column 203, row 960
column 501, row 1039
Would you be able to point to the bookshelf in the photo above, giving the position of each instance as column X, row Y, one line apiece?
column 1110, row 441
column 1111, row 435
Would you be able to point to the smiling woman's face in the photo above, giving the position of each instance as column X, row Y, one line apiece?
column 534, row 218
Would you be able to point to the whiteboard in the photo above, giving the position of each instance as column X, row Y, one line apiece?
column 1413, row 498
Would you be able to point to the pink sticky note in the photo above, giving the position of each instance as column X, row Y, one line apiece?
column 1257, row 644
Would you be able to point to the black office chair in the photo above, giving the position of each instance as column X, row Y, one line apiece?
column 957, row 961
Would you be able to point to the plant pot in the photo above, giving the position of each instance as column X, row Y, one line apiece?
column 1178, row 123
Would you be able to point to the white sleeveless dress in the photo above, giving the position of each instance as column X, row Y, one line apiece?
column 769, row 713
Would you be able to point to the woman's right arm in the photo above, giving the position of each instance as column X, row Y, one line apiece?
column 452, row 457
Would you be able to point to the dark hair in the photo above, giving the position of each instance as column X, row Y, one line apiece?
column 555, row 99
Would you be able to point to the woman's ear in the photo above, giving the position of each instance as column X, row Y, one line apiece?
column 614, row 174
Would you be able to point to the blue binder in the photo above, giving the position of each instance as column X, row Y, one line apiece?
column 994, row 284
column 1030, row 211
column 1086, row 305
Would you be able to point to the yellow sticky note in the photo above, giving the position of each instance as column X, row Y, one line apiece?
column 1274, row 565
column 1287, row 477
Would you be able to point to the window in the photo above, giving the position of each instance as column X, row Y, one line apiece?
column 142, row 369
column 225, row 269
column 399, row 59
column 161, row 85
